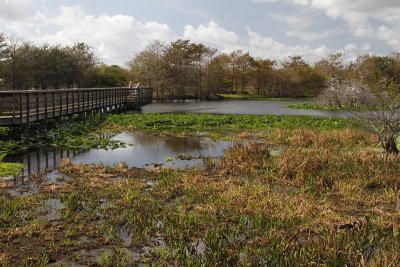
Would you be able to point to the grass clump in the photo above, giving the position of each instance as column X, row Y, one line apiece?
column 328, row 199
column 9, row 169
column 327, row 107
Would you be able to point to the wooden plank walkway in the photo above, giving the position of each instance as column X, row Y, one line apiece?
column 25, row 106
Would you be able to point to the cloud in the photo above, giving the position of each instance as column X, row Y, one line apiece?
column 17, row 10
column 350, row 47
column 361, row 17
column 309, row 36
column 366, row 47
column 293, row 21
column 265, row 46
column 113, row 38
column 211, row 34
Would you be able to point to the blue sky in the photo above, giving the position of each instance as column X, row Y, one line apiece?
column 274, row 29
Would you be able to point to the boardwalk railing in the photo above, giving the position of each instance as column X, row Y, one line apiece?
column 24, row 106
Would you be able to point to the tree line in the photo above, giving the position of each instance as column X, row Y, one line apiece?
column 183, row 69
column 24, row 65
column 186, row 70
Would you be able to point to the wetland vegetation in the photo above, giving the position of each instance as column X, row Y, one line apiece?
column 288, row 191
column 282, row 194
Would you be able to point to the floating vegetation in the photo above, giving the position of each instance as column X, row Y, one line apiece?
column 71, row 134
column 217, row 123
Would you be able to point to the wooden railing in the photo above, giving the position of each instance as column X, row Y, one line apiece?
column 25, row 106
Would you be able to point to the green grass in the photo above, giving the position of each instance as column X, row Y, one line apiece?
column 9, row 169
column 326, row 107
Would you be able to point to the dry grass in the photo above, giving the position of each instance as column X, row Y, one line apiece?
column 328, row 200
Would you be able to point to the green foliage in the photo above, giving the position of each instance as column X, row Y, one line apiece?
column 208, row 122
column 111, row 76
column 65, row 133
column 4, row 131
column 9, row 169
column 72, row 202
column 9, row 213
column 326, row 107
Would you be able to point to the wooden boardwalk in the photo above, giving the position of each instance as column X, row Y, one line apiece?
column 25, row 106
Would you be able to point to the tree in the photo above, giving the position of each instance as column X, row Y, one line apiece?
column 199, row 52
column 111, row 76
column 3, row 47
column 81, row 63
column 178, row 62
column 244, row 63
column 263, row 75
column 384, row 115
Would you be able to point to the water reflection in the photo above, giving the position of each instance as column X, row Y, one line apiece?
column 145, row 150
column 41, row 160
column 150, row 150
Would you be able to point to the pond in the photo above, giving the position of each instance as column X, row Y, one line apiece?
column 143, row 150
column 251, row 107
column 147, row 150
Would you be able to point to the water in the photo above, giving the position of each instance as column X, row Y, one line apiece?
column 255, row 107
column 153, row 150
column 169, row 151
column 146, row 151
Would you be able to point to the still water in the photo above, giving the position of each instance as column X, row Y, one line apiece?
column 147, row 150
column 143, row 150
column 255, row 107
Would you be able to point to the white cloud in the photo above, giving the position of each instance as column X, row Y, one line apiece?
column 366, row 47
column 17, row 10
column 350, row 47
column 114, row 38
column 309, row 36
column 358, row 15
column 265, row 46
column 293, row 21
column 361, row 17
column 211, row 34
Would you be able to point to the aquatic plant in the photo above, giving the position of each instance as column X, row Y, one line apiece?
column 9, row 169
column 331, row 198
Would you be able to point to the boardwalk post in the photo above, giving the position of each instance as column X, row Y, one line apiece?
column 27, row 108
column 45, row 106
column 20, row 109
column 13, row 107
column 37, row 106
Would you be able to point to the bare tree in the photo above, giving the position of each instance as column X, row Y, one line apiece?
column 384, row 114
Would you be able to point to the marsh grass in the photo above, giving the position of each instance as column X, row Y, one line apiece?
column 314, row 106
column 9, row 169
column 328, row 200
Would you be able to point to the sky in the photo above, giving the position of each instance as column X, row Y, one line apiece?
column 275, row 29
